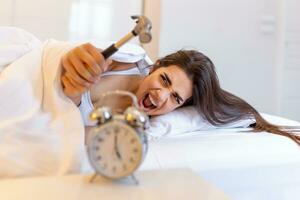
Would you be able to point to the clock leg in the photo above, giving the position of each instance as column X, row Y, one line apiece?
column 93, row 177
column 136, row 182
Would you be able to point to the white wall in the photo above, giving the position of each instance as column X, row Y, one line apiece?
column 290, row 69
column 102, row 20
column 249, row 42
column 254, row 44
column 233, row 34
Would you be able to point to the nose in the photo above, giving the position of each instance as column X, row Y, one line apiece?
column 161, row 95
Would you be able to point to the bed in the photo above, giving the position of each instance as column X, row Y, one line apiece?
column 245, row 165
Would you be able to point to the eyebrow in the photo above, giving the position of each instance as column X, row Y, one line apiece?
column 175, row 94
column 167, row 78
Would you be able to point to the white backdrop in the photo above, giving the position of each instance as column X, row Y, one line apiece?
column 71, row 19
column 235, row 36
column 255, row 44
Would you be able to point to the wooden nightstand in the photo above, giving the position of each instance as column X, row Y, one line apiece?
column 173, row 184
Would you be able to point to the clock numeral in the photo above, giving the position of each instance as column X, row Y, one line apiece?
column 100, row 139
column 96, row 148
column 114, row 169
column 131, row 159
column 124, row 167
column 133, row 140
column 104, row 166
column 135, row 150
column 98, row 158
column 116, row 130
column 107, row 131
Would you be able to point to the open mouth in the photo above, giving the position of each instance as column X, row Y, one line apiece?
column 148, row 102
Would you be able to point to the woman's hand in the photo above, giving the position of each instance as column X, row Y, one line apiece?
column 82, row 67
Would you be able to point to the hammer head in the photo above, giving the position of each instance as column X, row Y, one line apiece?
column 142, row 28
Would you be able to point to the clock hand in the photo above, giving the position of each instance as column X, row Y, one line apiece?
column 116, row 147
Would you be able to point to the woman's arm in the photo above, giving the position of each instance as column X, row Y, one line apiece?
column 82, row 67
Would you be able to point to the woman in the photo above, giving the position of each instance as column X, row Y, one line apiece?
column 186, row 77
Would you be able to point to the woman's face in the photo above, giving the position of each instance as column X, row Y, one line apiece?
column 164, row 90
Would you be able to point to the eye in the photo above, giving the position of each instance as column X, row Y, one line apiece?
column 177, row 98
column 164, row 79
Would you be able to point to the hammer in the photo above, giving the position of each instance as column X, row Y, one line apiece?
column 142, row 29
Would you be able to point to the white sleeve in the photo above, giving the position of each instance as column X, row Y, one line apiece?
column 14, row 43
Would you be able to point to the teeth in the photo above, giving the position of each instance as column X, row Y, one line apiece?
column 152, row 101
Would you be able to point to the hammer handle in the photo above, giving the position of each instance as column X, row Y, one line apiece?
column 109, row 51
column 115, row 47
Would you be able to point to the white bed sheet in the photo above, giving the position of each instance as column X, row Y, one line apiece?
column 246, row 165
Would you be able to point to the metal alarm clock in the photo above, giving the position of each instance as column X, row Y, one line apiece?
column 117, row 145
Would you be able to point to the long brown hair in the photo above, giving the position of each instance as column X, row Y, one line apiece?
column 216, row 105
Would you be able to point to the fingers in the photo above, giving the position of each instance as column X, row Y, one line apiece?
column 107, row 66
column 97, row 55
column 68, row 88
column 73, row 74
column 82, row 67
column 71, row 88
column 75, row 84
column 91, row 61
column 87, row 61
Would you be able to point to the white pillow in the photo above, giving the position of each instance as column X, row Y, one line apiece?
column 183, row 120
column 280, row 121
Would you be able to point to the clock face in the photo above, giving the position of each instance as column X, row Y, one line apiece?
column 115, row 150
